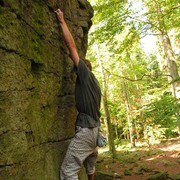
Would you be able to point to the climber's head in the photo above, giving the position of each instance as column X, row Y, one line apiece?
column 88, row 64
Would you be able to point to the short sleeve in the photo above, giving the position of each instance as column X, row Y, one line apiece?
column 82, row 71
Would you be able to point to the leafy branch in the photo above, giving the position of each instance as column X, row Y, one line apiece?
column 139, row 79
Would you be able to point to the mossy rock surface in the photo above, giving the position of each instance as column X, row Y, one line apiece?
column 175, row 176
column 159, row 176
column 103, row 175
column 37, row 107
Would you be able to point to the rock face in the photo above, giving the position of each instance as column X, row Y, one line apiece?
column 37, row 108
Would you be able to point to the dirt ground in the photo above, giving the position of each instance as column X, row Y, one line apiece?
column 141, row 162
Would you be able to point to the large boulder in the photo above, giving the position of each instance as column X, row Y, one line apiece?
column 37, row 107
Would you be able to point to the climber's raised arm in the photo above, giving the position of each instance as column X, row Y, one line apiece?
column 68, row 37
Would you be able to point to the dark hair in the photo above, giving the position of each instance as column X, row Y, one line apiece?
column 88, row 64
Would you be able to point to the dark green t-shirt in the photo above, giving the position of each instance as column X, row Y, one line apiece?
column 88, row 97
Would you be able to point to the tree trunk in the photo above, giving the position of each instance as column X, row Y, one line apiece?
column 169, row 54
column 171, row 64
column 139, row 100
column 129, row 120
column 109, row 125
column 106, row 108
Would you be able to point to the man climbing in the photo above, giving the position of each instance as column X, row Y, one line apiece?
column 83, row 149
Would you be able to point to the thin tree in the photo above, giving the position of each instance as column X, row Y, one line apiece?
column 105, row 106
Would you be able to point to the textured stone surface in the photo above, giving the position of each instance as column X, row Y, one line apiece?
column 37, row 108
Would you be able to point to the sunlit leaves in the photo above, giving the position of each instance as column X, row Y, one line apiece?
column 163, row 14
column 110, row 17
column 115, row 38
column 164, row 111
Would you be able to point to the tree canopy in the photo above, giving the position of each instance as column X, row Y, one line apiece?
column 134, row 49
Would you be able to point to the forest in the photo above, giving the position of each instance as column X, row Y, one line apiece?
column 135, row 51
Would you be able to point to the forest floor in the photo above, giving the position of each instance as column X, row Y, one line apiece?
column 159, row 161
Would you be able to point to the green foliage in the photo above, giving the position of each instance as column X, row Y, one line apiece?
column 136, row 84
column 127, row 172
column 111, row 14
column 162, row 116
column 164, row 111
column 163, row 14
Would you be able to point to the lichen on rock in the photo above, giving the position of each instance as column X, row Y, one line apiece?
column 37, row 108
